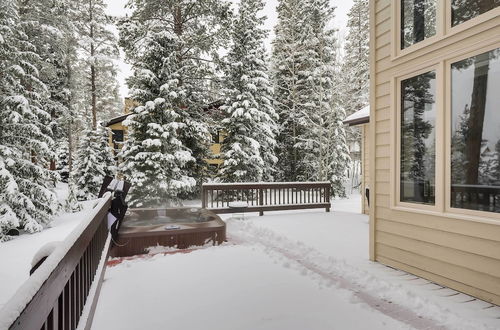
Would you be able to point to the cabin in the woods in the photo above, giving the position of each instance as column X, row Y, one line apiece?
column 361, row 119
column 118, row 133
column 434, row 141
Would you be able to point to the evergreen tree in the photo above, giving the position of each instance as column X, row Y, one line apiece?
column 156, row 166
column 289, row 58
column 173, row 47
column 355, row 71
column 94, row 161
column 26, row 196
column 98, row 48
column 63, row 161
column 249, row 148
column 328, row 157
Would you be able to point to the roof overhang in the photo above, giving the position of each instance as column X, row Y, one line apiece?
column 359, row 117
column 117, row 120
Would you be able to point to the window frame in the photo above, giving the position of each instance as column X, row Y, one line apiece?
column 397, row 115
column 469, row 23
column 448, row 116
column 444, row 30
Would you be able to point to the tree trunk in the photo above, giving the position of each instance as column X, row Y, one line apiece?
column 419, row 21
column 476, row 118
column 93, row 71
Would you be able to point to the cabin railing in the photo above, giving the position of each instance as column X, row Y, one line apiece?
column 260, row 197
column 63, row 291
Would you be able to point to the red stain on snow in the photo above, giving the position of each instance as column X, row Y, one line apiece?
column 116, row 261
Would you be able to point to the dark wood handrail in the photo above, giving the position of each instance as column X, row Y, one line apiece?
column 56, row 294
column 260, row 197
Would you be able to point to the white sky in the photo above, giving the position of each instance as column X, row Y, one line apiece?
column 117, row 8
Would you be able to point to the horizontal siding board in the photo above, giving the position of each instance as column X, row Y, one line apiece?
column 383, row 39
column 383, row 89
column 382, row 175
column 436, row 278
column 472, row 262
column 381, row 5
column 383, row 151
column 458, row 226
column 451, row 271
column 382, row 198
column 383, row 126
column 383, row 113
column 382, row 102
column 479, row 246
column 383, row 15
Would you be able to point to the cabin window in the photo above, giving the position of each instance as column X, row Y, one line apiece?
column 418, row 21
column 475, row 139
column 464, row 10
column 418, row 150
column 118, row 138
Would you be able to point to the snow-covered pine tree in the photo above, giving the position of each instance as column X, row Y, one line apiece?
column 155, row 158
column 63, row 161
column 355, row 69
column 94, row 161
column 173, row 47
column 289, row 57
column 26, row 197
column 250, row 123
column 327, row 158
column 98, row 48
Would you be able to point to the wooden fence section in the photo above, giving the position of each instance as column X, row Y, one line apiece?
column 260, row 197
column 58, row 302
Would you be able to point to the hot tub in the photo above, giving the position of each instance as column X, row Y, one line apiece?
column 179, row 227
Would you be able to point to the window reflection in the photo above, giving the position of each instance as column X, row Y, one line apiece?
column 464, row 10
column 418, row 21
column 418, row 151
column 475, row 140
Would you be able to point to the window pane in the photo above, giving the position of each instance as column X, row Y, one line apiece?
column 475, row 140
column 464, row 10
column 418, row 146
column 418, row 21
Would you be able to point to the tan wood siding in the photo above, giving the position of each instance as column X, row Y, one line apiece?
column 456, row 251
column 365, row 163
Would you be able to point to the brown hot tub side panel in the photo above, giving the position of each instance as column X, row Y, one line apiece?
column 135, row 245
column 135, row 237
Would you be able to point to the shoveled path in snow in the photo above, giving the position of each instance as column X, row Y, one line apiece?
column 228, row 287
column 286, row 270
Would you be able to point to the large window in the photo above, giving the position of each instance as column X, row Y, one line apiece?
column 418, row 139
column 475, row 140
column 418, row 21
column 464, row 10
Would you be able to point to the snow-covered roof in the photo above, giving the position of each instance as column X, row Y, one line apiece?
column 359, row 117
column 117, row 120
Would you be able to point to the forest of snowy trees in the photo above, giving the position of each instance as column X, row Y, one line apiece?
column 281, row 109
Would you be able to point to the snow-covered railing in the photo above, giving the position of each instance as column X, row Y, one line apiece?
column 63, row 291
column 260, row 197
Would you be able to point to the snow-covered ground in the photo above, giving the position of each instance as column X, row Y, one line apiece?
column 16, row 255
column 286, row 270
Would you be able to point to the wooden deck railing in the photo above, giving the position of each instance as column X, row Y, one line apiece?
column 260, row 197
column 55, row 296
column 476, row 197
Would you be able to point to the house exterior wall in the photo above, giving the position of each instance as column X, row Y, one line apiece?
column 457, row 249
column 365, row 168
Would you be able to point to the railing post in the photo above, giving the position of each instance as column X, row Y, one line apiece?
column 327, row 196
column 203, row 197
column 261, row 200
